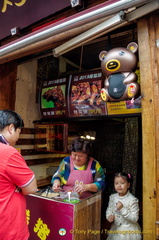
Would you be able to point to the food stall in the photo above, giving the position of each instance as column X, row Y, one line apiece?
column 59, row 218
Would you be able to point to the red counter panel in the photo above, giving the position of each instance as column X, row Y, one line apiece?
column 48, row 219
column 51, row 219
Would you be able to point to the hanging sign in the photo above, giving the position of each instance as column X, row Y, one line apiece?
column 79, row 96
column 84, row 95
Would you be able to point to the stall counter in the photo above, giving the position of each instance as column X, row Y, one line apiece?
column 51, row 219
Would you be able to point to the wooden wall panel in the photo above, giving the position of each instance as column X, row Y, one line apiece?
column 8, row 74
column 26, row 144
column 36, row 158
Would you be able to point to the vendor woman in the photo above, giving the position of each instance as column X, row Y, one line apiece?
column 79, row 172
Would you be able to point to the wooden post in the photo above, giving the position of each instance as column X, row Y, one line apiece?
column 8, row 75
column 149, row 70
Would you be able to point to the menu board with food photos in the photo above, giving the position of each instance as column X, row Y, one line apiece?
column 78, row 95
column 53, row 102
column 84, row 94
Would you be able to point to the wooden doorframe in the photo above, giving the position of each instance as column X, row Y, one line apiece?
column 148, row 33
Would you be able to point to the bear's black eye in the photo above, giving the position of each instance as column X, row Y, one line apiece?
column 121, row 53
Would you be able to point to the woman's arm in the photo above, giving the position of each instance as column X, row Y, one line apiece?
column 99, row 177
column 61, row 175
column 92, row 187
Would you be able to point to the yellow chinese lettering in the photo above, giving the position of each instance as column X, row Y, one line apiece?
column 6, row 2
column 28, row 216
column 21, row 3
column 41, row 229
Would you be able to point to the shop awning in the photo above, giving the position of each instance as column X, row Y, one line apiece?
column 119, row 20
column 81, row 27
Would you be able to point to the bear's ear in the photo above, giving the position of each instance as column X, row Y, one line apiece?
column 102, row 55
column 133, row 47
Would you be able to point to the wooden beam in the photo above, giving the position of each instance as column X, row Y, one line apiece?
column 8, row 75
column 155, row 20
column 69, row 62
column 146, row 41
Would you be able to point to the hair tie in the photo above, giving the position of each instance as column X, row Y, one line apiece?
column 129, row 175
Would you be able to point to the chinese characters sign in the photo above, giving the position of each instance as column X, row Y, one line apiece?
column 79, row 95
column 41, row 229
column 7, row 2
column 14, row 13
column 124, row 107
column 49, row 219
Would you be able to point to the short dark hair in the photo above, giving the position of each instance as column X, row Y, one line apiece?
column 81, row 145
column 8, row 117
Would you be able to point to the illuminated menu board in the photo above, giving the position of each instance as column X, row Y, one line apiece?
column 78, row 95
column 53, row 103
column 84, row 95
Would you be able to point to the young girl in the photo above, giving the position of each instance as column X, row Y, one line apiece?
column 123, row 211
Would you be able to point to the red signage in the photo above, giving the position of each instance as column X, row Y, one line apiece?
column 14, row 13
column 49, row 219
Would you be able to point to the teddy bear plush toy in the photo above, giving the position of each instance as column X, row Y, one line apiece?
column 118, row 66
